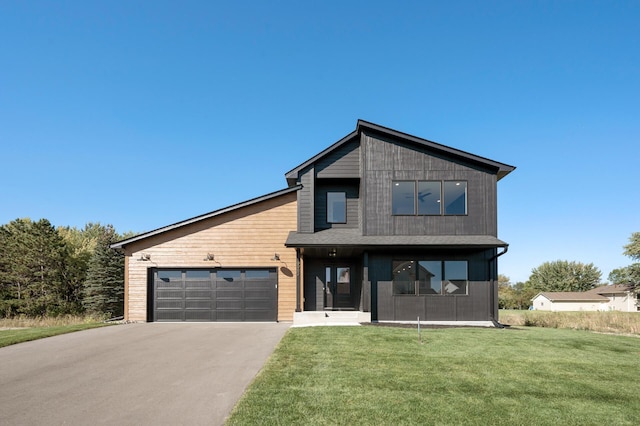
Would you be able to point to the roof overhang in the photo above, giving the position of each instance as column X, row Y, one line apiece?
column 501, row 169
column 352, row 238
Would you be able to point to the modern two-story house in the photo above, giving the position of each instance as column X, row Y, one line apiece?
column 380, row 226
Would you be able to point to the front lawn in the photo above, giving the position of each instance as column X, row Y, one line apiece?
column 12, row 336
column 384, row 376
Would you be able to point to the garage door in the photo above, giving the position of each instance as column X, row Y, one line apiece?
column 214, row 295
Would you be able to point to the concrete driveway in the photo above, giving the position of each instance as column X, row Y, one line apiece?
column 134, row 374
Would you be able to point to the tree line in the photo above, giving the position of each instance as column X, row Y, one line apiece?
column 563, row 275
column 49, row 271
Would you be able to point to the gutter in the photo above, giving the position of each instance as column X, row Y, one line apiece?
column 506, row 249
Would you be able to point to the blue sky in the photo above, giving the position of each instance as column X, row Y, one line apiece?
column 144, row 113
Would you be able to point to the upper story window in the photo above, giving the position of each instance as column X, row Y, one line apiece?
column 430, row 197
column 336, row 207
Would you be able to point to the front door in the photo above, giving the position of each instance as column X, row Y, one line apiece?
column 338, row 287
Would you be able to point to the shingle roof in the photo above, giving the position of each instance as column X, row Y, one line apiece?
column 573, row 296
column 611, row 289
column 353, row 237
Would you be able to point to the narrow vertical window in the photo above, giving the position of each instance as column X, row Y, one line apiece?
column 336, row 207
column 403, row 197
column 429, row 197
column 455, row 198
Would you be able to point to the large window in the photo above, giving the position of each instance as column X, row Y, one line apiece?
column 429, row 197
column 336, row 207
column 430, row 277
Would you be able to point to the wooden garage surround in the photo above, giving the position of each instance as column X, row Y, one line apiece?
column 246, row 237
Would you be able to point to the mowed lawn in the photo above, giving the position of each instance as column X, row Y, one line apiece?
column 385, row 376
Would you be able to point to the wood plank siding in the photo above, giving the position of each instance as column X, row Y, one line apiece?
column 386, row 161
column 246, row 237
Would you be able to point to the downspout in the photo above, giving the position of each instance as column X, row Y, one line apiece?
column 298, row 280
column 493, row 261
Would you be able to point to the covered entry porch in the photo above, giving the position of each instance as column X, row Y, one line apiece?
column 333, row 286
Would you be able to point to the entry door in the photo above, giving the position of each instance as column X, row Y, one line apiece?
column 338, row 287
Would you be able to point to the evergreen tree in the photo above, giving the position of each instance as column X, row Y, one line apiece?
column 33, row 258
column 104, row 286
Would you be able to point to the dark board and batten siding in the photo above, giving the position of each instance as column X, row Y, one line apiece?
column 475, row 306
column 386, row 161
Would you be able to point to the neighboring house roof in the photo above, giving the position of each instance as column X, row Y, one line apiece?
column 572, row 296
column 353, row 237
column 501, row 169
column 205, row 216
column 612, row 289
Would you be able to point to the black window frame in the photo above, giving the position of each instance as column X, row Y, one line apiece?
column 415, row 288
column 443, row 197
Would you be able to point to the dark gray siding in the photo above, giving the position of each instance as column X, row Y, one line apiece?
column 306, row 201
column 478, row 305
column 343, row 162
column 314, row 272
column 353, row 204
column 385, row 161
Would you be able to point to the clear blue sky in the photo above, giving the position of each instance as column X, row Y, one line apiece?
column 145, row 113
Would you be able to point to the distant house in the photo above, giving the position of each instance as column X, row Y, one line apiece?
column 604, row 298
column 380, row 226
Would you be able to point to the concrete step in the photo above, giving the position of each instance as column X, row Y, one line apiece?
column 314, row 318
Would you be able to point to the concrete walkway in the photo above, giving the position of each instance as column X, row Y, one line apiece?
column 134, row 374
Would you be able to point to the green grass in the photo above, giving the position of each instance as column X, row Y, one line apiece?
column 384, row 376
column 603, row 322
column 13, row 336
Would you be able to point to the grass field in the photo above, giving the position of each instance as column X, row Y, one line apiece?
column 603, row 322
column 384, row 376
column 24, row 329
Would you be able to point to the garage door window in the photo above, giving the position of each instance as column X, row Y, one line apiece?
column 197, row 274
column 256, row 274
column 229, row 275
column 168, row 275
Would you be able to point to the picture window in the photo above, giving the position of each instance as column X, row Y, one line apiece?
column 429, row 198
column 430, row 277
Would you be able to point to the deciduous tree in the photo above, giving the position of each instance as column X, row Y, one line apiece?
column 562, row 275
column 633, row 248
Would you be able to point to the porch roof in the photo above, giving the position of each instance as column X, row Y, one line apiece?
column 354, row 238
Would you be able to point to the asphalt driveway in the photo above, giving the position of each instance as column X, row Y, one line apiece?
column 134, row 374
